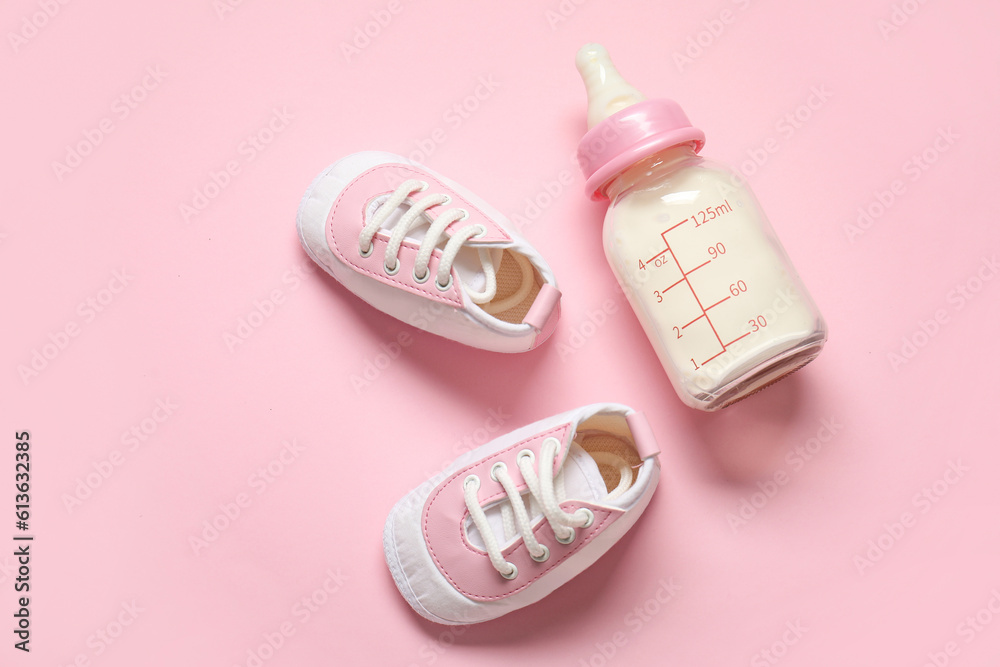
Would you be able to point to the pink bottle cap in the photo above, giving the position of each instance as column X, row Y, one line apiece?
column 629, row 135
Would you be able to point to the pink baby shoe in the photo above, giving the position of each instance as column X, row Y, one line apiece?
column 508, row 523
column 423, row 249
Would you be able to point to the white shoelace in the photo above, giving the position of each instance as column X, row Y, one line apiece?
column 414, row 217
column 541, row 486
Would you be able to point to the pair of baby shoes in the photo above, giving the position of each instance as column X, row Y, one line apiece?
column 507, row 523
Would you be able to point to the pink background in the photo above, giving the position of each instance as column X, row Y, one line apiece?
column 800, row 561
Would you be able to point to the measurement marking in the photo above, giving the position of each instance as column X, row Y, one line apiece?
column 693, row 321
column 713, row 357
column 695, row 295
column 696, row 268
column 740, row 338
column 717, row 303
column 650, row 260
column 674, row 227
column 674, row 285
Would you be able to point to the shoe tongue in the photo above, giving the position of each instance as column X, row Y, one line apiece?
column 467, row 262
column 581, row 479
column 577, row 479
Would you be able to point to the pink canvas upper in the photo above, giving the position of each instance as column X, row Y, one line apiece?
column 468, row 567
column 347, row 219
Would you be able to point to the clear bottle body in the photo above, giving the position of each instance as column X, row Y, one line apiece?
column 708, row 279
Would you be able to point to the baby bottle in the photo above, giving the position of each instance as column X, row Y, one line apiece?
column 691, row 248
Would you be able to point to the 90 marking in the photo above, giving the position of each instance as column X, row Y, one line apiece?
column 716, row 250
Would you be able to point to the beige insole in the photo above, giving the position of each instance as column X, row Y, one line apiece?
column 618, row 447
column 517, row 286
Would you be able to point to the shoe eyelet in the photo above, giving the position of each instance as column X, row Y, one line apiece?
column 423, row 186
column 423, row 278
column 544, row 557
column 446, row 286
column 589, row 515
column 480, row 228
column 499, row 465
column 447, row 200
column 525, row 454
column 471, row 479
column 568, row 540
column 363, row 253
column 393, row 271
column 513, row 571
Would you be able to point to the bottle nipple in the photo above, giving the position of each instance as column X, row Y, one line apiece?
column 607, row 91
